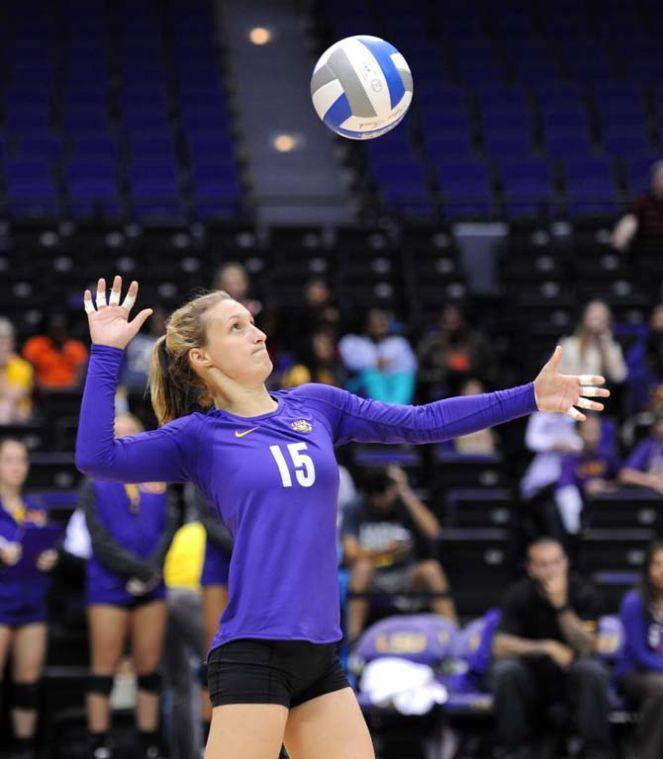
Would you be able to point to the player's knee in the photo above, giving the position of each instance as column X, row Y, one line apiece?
column 100, row 685
column 25, row 695
column 149, row 682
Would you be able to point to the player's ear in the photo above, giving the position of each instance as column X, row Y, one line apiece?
column 199, row 358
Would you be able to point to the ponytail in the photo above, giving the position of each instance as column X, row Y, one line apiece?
column 175, row 389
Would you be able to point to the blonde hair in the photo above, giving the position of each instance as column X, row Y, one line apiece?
column 175, row 389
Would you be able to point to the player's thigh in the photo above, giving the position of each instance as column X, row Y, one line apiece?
column 108, row 627
column 329, row 727
column 28, row 652
column 148, row 629
column 6, row 636
column 215, row 600
column 246, row 731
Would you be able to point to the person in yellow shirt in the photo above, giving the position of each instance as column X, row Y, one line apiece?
column 184, row 640
column 16, row 378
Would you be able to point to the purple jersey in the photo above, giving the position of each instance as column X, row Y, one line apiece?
column 274, row 481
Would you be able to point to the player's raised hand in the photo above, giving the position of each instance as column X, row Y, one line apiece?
column 109, row 322
column 561, row 393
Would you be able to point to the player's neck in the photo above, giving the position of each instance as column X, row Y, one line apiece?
column 10, row 496
column 246, row 401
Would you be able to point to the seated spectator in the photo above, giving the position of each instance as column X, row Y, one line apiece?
column 639, row 670
column 644, row 467
column 234, row 279
column 316, row 311
column 593, row 349
column 584, row 474
column 16, row 378
column 383, row 365
column 550, row 437
column 645, row 363
column 645, row 220
column 58, row 360
column 452, row 353
column 543, row 656
column 387, row 545
column 318, row 362
column 483, row 442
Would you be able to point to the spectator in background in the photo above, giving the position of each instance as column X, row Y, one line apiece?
column 16, row 378
column 645, row 219
column 584, row 474
column 645, row 363
column 481, row 443
column 137, row 355
column 543, row 650
column 644, row 467
column 319, row 361
column 639, row 670
column 593, row 349
column 550, row 437
column 320, row 309
column 23, row 590
column 387, row 545
column 185, row 639
column 383, row 365
column 452, row 354
column 58, row 360
column 234, row 279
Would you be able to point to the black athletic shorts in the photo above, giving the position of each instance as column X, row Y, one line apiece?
column 252, row 671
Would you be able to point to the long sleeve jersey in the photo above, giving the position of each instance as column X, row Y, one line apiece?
column 274, row 481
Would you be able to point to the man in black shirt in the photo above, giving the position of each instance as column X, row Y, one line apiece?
column 387, row 536
column 543, row 655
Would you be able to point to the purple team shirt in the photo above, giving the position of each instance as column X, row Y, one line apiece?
column 274, row 480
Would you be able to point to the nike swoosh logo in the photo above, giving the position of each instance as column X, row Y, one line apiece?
column 245, row 432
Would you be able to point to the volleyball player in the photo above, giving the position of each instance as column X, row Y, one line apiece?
column 266, row 460
column 131, row 527
column 23, row 590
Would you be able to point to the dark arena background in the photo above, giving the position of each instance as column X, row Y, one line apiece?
column 517, row 206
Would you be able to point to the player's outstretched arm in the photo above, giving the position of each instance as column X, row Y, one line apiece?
column 163, row 455
column 366, row 421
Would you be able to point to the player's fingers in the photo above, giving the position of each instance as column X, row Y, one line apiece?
column 130, row 299
column 591, row 379
column 576, row 415
column 101, row 294
column 592, row 405
column 87, row 302
column 594, row 392
column 114, row 299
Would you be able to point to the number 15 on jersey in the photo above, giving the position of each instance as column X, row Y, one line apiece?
column 301, row 462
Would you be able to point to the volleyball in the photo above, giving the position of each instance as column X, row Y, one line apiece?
column 361, row 87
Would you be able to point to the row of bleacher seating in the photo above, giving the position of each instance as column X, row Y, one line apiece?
column 99, row 115
column 506, row 109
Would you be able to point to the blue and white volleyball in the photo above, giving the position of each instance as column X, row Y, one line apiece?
column 361, row 87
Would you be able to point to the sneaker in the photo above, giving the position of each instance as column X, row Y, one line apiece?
column 153, row 752
column 102, row 752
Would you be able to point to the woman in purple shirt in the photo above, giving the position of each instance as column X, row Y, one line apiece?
column 23, row 590
column 266, row 460
column 131, row 528
column 640, row 667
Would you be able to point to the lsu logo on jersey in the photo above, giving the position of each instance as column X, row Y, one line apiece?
column 301, row 425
